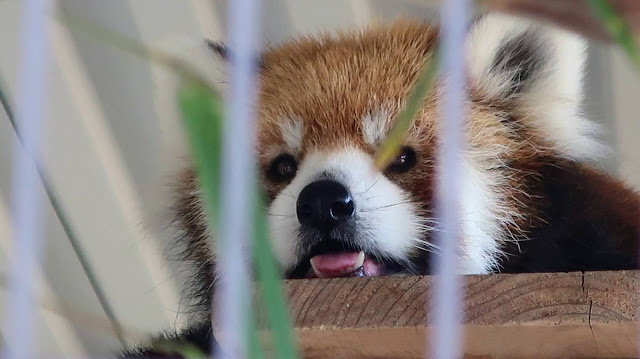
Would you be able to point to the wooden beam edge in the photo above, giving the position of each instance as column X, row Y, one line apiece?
column 540, row 315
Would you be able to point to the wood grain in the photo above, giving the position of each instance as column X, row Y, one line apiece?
column 554, row 315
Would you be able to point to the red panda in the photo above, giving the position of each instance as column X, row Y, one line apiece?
column 530, row 202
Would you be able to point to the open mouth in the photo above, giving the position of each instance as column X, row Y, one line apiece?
column 331, row 259
column 345, row 264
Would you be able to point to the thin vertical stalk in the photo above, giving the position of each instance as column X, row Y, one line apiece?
column 28, row 232
column 421, row 89
column 274, row 299
column 66, row 226
column 235, row 228
column 446, row 302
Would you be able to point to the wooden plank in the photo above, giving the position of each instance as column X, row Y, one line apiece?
column 555, row 315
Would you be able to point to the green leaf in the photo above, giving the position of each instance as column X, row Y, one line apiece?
column 202, row 112
column 391, row 145
column 188, row 351
column 618, row 29
column 272, row 292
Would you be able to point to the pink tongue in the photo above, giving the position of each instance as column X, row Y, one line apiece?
column 342, row 265
column 334, row 262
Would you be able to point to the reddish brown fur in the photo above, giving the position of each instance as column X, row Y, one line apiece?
column 332, row 82
column 576, row 217
column 329, row 83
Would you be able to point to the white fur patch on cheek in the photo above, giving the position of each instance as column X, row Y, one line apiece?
column 480, row 220
column 283, row 219
column 390, row 222
column 387, row 222
column 284, row 226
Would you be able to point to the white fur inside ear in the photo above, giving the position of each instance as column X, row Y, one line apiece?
column 551, row 98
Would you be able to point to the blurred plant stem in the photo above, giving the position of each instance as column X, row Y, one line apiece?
column 391, row 145
column 201, row 108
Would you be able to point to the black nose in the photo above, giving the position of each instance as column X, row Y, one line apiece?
column 324, row 204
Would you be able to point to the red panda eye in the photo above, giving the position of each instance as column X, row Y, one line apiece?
column 282, row 168
column 404, row 162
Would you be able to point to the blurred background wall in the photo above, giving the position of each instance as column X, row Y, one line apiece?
column 106, row 152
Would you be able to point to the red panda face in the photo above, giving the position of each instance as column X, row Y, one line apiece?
column 325, row 107
column 325, row 104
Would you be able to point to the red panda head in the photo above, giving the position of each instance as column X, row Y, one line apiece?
column 326, row 103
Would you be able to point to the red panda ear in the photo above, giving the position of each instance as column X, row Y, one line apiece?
column 223, row 52
column 218, row 48
column 537, row 68
column 511, row 57
column 199, row 57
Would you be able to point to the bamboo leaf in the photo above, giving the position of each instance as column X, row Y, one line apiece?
column 187, row 351
column 202, row 111
column 272, row 292
column 391, row 145
column 201, row 108
column 618, row 29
